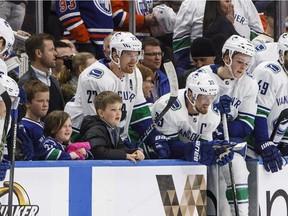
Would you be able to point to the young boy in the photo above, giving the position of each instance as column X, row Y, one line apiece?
column 102, row 132
column 30, row 128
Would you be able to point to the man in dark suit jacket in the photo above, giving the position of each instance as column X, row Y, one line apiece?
column 42, row 55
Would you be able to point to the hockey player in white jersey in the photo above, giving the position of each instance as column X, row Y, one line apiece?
column 118, row 74
column 191, row 120
column 272, row 99
column 239, row 89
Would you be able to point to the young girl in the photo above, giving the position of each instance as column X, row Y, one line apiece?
column 57, row 130
column 102, row 132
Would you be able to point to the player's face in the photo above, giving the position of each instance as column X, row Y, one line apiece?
column 203, row 102
column 48, row 57
column 38, row 107
column 152, row 57
column 65, row 132
column 148, row 85
column 112, row 114
column 202, row 61
column 128, row 61
column 240, row 63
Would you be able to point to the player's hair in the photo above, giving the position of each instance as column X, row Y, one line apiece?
column 54, row 121
column 80, row 59
column 104, row 98
column 32, row 87
column 35, row 42
column 145, row 71
column 61, row 44
column 150, row 41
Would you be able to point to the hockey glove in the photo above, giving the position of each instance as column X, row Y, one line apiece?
column 208, row 153
column 161, row 147
column 224, row 104
column 25, row 146
column 225, row 157
column 4, row 166
column 272, row 157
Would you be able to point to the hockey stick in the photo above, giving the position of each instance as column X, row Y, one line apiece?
column 280, row 126
column 7, row 101
column 11, row 178
column 173, row 82
column 233, row 185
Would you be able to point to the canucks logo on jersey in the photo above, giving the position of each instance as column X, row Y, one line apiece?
column 274, row 68
column 176, row 105
column 96, row 73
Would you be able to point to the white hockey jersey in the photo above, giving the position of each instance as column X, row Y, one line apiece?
column 264, row 52
column 177, row 123
column 243, row 92
column 97, row 78
column 272, row 97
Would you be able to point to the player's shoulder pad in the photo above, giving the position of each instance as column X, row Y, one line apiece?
column 273, row 67
column 176, row 105
column 260, row 47
column 96, row 73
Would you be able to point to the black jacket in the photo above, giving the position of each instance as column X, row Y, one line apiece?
column 104, row 139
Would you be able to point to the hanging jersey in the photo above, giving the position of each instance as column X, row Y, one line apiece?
column 178, row 124
column 189, row 23
column 272, row 97
column 243, row 92
column 121, row 17
column 86, row 20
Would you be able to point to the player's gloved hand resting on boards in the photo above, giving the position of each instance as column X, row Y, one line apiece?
column 272, row 157
column 209, row 152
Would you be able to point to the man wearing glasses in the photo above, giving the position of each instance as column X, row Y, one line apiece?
column 153, row 60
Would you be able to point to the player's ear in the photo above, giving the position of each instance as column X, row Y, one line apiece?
column 100, row 113
column 115, row 57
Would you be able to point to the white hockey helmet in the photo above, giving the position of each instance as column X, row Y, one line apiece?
column 7, row 33
column 236, row 43
column 199, row 82
column 10, row 85
column 121, row 41
column 282, row 46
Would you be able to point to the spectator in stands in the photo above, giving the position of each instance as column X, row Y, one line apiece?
column 86, row 22
column 153, row 60
column 69, row 78
column 148, row 83
column 102, row 132
column 42, row 55
column 64, row 52
column 106, row 47
column 30, row 128
column 203, row 53
column 218, row 22
column 13, row 12
column 57, row 131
